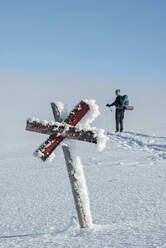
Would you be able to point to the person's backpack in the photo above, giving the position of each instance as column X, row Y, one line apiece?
column 124, row 101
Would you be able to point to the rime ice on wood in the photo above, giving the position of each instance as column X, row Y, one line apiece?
column 87, row 111
column 92, row 114
column 60, row 106
column 101, row 139
column 79, row 174
column 90, row 117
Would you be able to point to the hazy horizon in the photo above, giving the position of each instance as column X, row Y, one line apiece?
column 65, row 51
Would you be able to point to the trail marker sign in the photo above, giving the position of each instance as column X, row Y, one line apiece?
column 58, row 131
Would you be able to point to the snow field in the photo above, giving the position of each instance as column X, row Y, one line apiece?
column 126, row 184
column 126, row 191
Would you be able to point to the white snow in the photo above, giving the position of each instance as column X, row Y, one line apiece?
column 79, row 174
column 43, row 122
column 60, row 106
column 126, row 188
column 62, row 109
column 101, row 139
column 37, row 154
column 90, row 117
column 33, row 119
column 51, row 157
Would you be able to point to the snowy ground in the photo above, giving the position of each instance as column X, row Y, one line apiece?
column 126, row 184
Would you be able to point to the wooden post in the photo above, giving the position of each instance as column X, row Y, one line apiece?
column 56, row 112
column 57, row 133
column 71, row 173
column 75, row 188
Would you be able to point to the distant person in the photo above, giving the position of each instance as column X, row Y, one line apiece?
column 120, row 109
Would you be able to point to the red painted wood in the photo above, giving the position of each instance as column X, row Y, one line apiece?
column 53, row 141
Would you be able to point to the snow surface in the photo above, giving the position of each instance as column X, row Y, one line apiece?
column 126, row 184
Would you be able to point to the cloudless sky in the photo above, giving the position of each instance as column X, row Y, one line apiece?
column 68, row 50
column 115, row 39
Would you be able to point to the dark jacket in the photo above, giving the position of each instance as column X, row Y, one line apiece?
column 117, row 103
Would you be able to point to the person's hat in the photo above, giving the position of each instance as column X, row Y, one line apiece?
column 118, row 90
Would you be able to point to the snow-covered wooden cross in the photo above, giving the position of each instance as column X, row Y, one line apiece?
column 58, row 131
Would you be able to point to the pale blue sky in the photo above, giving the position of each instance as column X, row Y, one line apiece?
column 117, row 40
column 68, row 50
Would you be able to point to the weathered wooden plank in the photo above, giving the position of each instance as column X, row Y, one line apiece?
column 75, row 188
column 81, row 135
column 56, row 112
column 38, row 127
column 53, row 141
column 62, row 129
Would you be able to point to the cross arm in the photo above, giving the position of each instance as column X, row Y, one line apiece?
column 62, row 129
column 45, row 150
